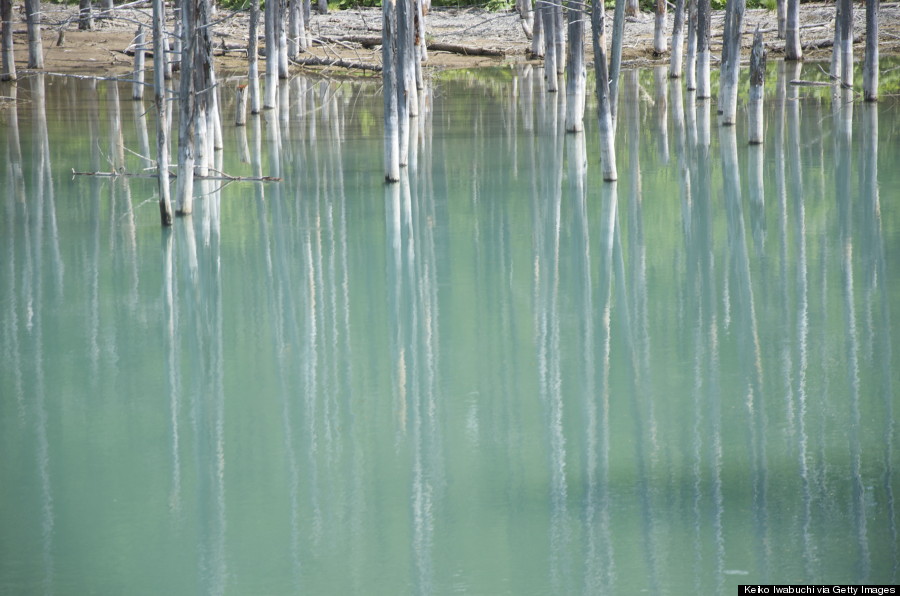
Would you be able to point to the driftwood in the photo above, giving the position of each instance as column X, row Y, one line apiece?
column 221, row 176
column 338, row 62
column 369, row 42
column 803, row 83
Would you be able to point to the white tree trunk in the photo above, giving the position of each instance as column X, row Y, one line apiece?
column 33, row 22
column 792, row 49
column 137, row 87
column 836, row 45
column 659, row 28
column 690, row 76
column 389, row 76
column 846, row 43
column 253, row 58
column 537, row 31
column 272, row 59
column 184, row 188
column 604, row 113
column 675, row 59
column 615, row 59
column 549, row 25
column 576, row 73
column 731, row 61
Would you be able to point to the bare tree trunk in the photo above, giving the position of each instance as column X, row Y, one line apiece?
column 703, row 18
column 159, row 97
column 283, row 62
column 757, row 80
column 526, row 17
column 421, row 50
column 615, row 59
column 405, row 73
column 559, row 37
column 836, row 46
column 792, row 49
column 690, row 78
column 137, row 87
column 604, row 113
column 175, row 63
column 781, row 12
column 576, row 73
column 537, row 31
column 846, row 43
column 85, row 20
column 731, row 61
column 323, row 7
column 253, row 57
column 8, row 69
column 240, row 105
column 632, row 8
column 389, row 76
column 675, row 59
column 550, row 32
column 659, row 28
column 184, row 188
column 272, row 59
column 870, row 67
column 33, row 22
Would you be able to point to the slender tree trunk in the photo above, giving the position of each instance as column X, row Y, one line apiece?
column 675, row 59
column 137, row 88
column 272, row 59
column 419, row 43
column 389, row 76
column 175, row 38
column 703, row 19
column 526, row 17
column 576, row 73
column 615, row 59
column 870, row 67
column 757, row 80
column 405, row 73
column 604, row 112
column 550, row 45
column 731, row 61
column 33, row 22
column 836, row 45
column 559, row 38
column 781, row 16
column 537, row 31
column 240, row 105
column 8, row 69
column 690, row 77
column 85, row 19
column 846, row 43
column 184, row 187
column 659, row 28
column 253, row 57
column 159, row 97
column 792, row 49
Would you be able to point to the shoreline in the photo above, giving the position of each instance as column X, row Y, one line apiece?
column 105, row 51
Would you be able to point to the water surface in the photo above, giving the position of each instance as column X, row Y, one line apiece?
column 499, row 376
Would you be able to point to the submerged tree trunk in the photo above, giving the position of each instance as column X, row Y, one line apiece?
column 659, row 28
column 703, row 19
column 550, row 45
column 846, row 43
column 792, row 49
column 870, row 67
column 576, row 73
column 33, row 23
column 757, row 80
column 8, row 69
column 272, row 59
column 836, row 45
column 405, row 73
column 389, row 76
column 253, row 58
column 615, row 59
column 781, row 16
column 690, row 76
column 604, row 112
column 675, row 59
column 537, row 31
column 731, row 61
column 184, row 187
column 162, row 129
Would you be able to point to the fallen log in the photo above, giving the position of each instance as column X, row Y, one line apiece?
column 334, row 62
column 369, row 42
column 221, row 176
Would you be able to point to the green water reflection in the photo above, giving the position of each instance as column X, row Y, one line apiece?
column 499, row 376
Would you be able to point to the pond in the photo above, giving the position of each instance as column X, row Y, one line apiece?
column 498, row 376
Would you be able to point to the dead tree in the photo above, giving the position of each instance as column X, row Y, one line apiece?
column 253, row 58
column 604, row 111
column 137, row 86
column 792, row 49
column 389, row 76
column 85, row 19
column 159, row 96
column 272, row 58
column 675, row 59
column 703, row 20
column 576, row 73
column 8, row 69
column 690, row 76
column 846, row 24
column 615, row 58
column 659, row 28
column 33, row 24
column 731, row 61
column 870, row 66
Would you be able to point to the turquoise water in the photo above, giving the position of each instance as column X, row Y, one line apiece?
column 499, row 376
